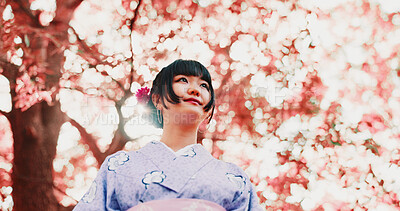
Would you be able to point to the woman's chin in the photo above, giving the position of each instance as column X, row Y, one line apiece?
column 185, row 115
column 191, row 110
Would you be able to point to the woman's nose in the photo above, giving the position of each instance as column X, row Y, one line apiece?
column 193, row 91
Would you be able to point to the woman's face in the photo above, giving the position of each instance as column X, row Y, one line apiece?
column 194, row 94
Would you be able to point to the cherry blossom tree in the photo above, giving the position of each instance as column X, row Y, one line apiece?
column 307, row 94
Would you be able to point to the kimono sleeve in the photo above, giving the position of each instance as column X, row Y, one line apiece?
column 248, row 199
column 101, row 194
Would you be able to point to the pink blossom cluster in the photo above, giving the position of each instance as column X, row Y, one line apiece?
column 143, row 95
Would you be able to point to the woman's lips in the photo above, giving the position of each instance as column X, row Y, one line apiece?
column 193, row 101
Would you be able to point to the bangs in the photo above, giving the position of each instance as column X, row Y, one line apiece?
column 190, row 68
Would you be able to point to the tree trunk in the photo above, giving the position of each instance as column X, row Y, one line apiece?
column 35, row 134
column 36, row 130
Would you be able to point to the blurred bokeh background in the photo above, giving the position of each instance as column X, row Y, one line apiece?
column 308, row 94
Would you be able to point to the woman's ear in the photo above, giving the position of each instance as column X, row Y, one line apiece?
column 156, row 101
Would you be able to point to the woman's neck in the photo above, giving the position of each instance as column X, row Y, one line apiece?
column 178, row 136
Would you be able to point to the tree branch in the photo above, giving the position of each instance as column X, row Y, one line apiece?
column 88, row 49
column 65, row 10
column 227, row 76
column 29, row 13
column 95, row 57
column 132, row 26
column 95, row 54
column 118, row 142
column 7, row 115
column 79, row 89
column 63, row 192
column 90, row 140
column 10, row 70
column 120, row 136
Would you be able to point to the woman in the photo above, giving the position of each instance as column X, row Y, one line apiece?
column 175, row 171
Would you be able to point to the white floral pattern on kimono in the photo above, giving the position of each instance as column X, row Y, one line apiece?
column 153, row 177
column 116, row 160
column 154, row 172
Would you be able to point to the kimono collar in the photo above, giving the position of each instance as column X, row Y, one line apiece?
column 180, row 151
column 178, row 169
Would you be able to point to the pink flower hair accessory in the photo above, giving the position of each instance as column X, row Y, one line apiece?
column 143, row 95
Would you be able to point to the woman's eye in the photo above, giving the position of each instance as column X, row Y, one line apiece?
column 183, row 79
column 204, row 85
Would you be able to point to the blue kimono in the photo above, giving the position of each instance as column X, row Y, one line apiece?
column 155, row 172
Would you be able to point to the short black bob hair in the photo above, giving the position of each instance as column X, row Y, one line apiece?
column 162, row 85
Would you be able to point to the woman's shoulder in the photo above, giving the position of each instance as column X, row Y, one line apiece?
column 231, row 168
